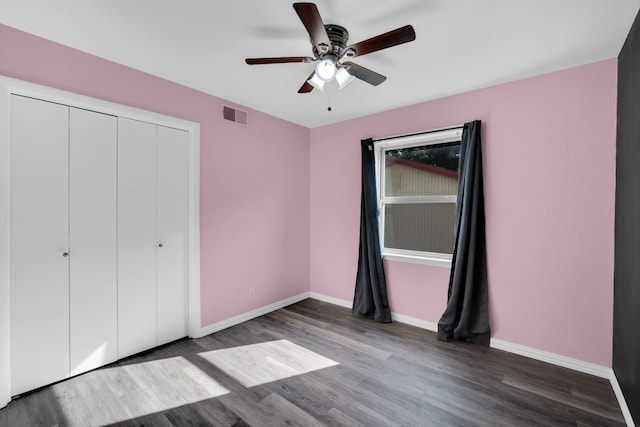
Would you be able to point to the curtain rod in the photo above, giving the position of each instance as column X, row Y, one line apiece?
column 418, row 133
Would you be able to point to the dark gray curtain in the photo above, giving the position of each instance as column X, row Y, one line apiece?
column 467, row 314
column 370, row 297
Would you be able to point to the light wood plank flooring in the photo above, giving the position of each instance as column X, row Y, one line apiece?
column 330, row 369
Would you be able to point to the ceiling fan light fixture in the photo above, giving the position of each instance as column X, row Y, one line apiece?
column 343, row 78
column 326, row 69
column 329, row 47
column 316, row 82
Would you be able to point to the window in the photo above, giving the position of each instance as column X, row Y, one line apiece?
column 417, row 191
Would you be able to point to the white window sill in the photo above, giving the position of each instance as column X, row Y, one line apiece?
column 418, row 259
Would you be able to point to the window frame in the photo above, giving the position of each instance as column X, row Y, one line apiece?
column 381, row 146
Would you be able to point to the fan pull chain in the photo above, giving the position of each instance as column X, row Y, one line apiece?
column 329, row 107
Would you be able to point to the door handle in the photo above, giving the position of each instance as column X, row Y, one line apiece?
column 160, row 245
column 65, row 254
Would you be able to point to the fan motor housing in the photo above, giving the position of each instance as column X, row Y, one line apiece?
column 338, row 36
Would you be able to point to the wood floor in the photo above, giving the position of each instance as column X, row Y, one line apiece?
column 330, row 369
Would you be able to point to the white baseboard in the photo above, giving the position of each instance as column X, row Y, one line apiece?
column 413, row 321
column 554, row 359
column 331, row 300
column 621, row 400
column 236, row 320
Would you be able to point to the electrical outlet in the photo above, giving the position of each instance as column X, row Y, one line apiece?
column 252, row 293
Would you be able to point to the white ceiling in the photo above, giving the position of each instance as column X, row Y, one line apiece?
column 460, row 45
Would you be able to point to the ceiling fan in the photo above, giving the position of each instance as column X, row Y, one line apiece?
column 329, row 46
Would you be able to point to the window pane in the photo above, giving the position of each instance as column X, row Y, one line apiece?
column 428, row 170
column 420, row 227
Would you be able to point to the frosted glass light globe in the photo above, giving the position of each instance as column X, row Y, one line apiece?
column 326, row 70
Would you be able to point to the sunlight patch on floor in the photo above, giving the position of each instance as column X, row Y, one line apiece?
column 261, row 363
column 117, row 394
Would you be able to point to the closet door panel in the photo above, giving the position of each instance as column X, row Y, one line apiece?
column 172, row 213
column 136, row 236
column 39, row 240
column 93, row 239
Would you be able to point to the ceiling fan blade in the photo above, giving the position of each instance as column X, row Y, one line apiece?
column 310, row 17
column 280, row 60
column 307, row 87
column 364, row 74
column 392, row 38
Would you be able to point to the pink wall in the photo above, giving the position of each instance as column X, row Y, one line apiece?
column 254, row 200
column 549, row 157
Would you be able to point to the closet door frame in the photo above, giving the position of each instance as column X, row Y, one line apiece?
column 8, row 87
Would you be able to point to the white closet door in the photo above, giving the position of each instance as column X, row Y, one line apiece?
column 39, row 243
column 92, row 216
column 136, row 236
column 173, row 186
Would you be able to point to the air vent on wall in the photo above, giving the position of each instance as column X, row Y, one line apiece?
column 235, row 115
